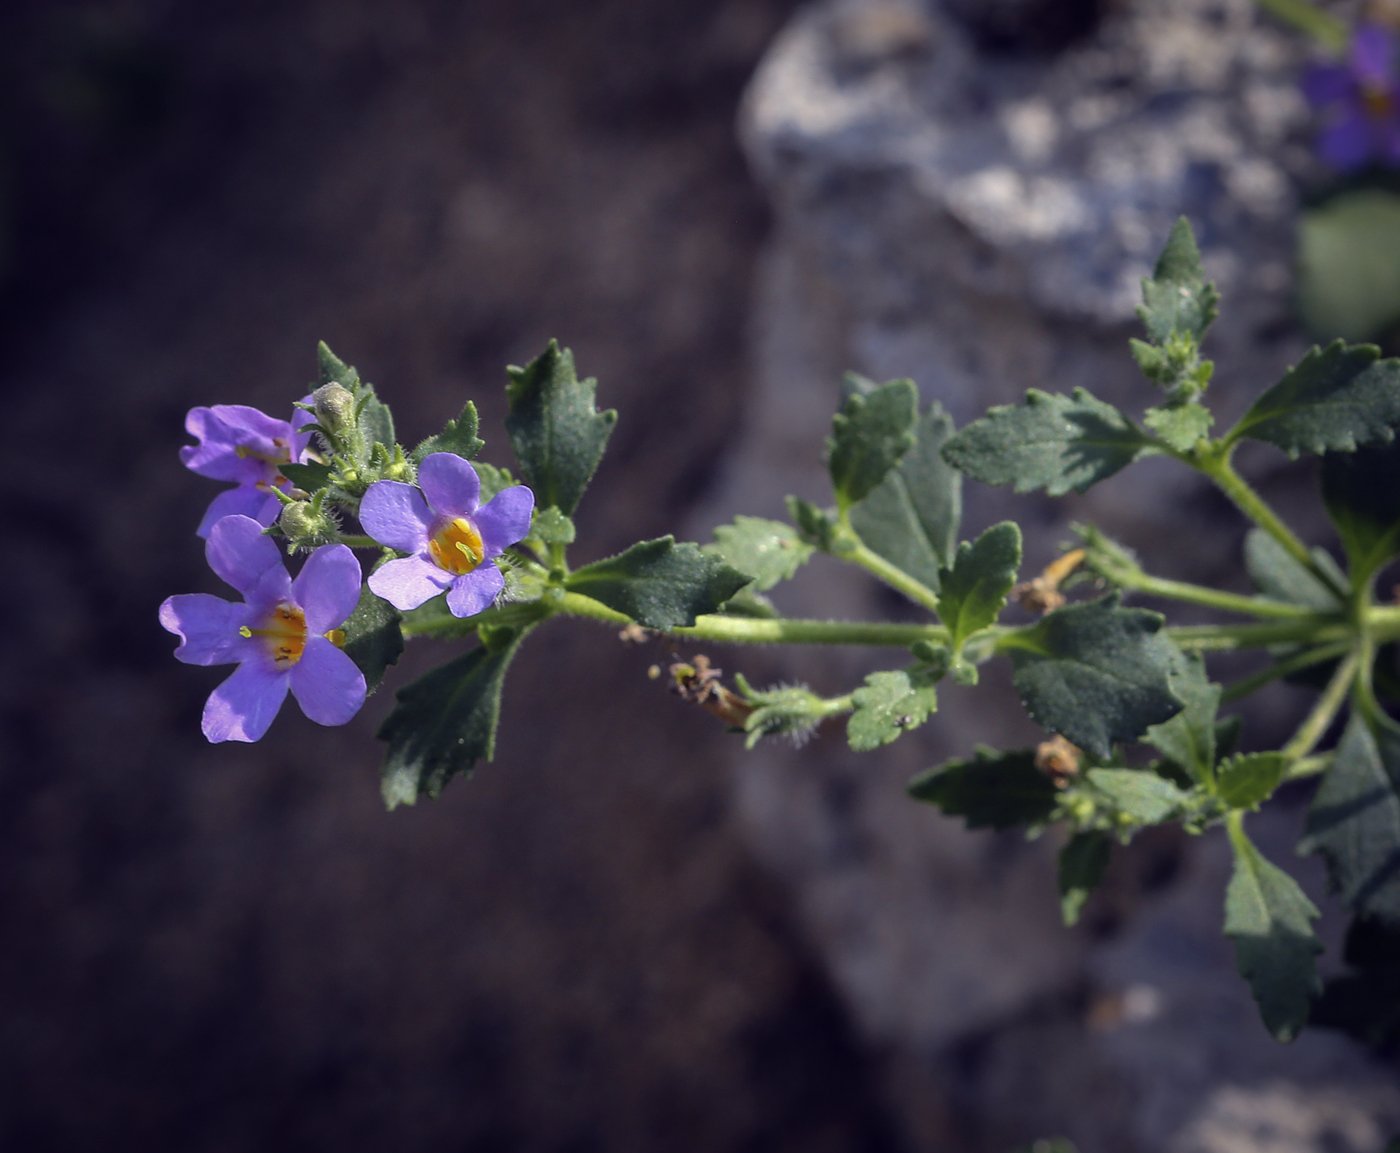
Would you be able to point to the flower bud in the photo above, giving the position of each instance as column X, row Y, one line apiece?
column 335, row 410
column 306, row 525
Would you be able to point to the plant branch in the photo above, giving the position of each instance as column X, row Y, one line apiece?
column 892, row 575
column 1309, row 657
column 1325, row 711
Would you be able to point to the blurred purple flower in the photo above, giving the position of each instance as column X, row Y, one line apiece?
column 450, row 540
column 285, row 636
column 1360, row 100
column 248, row 447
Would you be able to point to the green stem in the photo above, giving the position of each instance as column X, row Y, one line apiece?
column 1211, row 598
column 1309, row 766
column 1315, row 629
column 1323, row 27
column 1325, row 711
column 353, row 540
column 1314, row 656
column 892, row 575
column 1234, row 825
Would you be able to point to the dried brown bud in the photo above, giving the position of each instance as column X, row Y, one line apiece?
column 1058, row 760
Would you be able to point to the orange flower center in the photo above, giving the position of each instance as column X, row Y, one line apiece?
column 281, row 454
column 456, row 547
column 284, row 634
column 1379, row 102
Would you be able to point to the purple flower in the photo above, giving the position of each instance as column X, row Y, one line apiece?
column 1361, row 101
column 450, row 540
column 243, row 445
column 285, row 636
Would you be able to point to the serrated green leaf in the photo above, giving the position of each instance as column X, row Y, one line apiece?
column 869, row 435
column 1080, row 868
column 1244, row 782
column 993, row 790
column 1349, row 265
column 1180, row 426
column 492, row 479
column 974, row 589
column 889, row 705
column 552, row 527
column 459, row 437
column 1053, row 441
column 1178, row 299
column 1097, row 673
column 373, row 639
column 767, row 550
column 1333, row 400
column 330, row 369
column 375, row 420
column 1361, row 490
column 658, row 583
column 911, row 518
column 814, row 526
column 1277, row 574
column 1269, row 919
column 1188, row 739
column 1354, row 821
column 307, row 477
column 558, row 435
column 1144, row 796
column 445, row 722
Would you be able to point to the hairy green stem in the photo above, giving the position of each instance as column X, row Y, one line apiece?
column 892, row 575
column 1325, row 711
column 1315, row 629
column 353, row 540
column 1314, row 656
column 1309, row 766
column 1209, row 597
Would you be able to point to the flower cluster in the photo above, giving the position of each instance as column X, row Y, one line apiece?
column 288, row 634
column 1360, row 101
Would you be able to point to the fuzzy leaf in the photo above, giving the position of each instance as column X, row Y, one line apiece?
column 1138, row 793
column 558, row 434
column 1361, row 490
column 492, row 479
column 330, row 369
column 552, row 527
column 814, row 525
column 1349, row 265
column 1178, row 299
column 974, row 589
column 994, row 790
column 889, row 705
column 1053, row 441
column 1244, row 782
column 1276, row 574
column 767, row 550
column 1188, row 739
column 373, row 639
column 1081, row 865
column 1097, row 673
column 868, row 436
column 911, row 518
column 1269, row 919
column 659, row 583
column 459, row 436
column 307, row 477
column 1354, row 821
column 1332, row 400
column 445, row 722
column 1181, row 425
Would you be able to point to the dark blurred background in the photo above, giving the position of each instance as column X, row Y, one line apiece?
column 235, row 947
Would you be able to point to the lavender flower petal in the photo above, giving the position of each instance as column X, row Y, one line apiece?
column 1325, row 84
column 410, row 582
column 326, row 683
column 396, row 515
column 474, row 591
column 245, row 500
column 238, row 552
column 1372, row 56
column 222, row 429
column 327, row 588
column 504, row 519
column 1347, row 144
column 207, row 627
column 242, row 708
column 450, row 484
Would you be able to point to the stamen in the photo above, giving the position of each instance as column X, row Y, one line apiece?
column 456, row 547
column 284, row 633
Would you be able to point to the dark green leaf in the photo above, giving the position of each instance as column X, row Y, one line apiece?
column 1334, row 399
column 974, row 589
column 996, row 790
column 1354, row 821
column 307, row 477
column 558, row 434
column 330, row 369
column 1349, row 265
column 868, row 437
column 1362, row 492
column 1178, row 300
column 1081, row 865
column 1097, row 673
column 1181, row 425
column 1189, row 737
column 376, row 421
column 552, row 527
column 1144, row 796
column 1053, row 441
column 445, row 722
column 1366, row 1001
column 911, row 518
column 767, row 550
column 458, row 437
column 1269, row 919
column 813, row 525
column 1277, row 574
column 659, row 583
column 889, row 705
column 372, row 637
column 1244, row 782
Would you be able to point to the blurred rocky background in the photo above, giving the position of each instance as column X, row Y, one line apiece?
column 624, row 934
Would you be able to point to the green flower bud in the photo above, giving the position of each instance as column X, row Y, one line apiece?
column 335, row 410
column 306, row 525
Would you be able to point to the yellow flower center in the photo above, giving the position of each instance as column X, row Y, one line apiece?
column 1379, row 102
column 284, row 634
column 456, row 546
